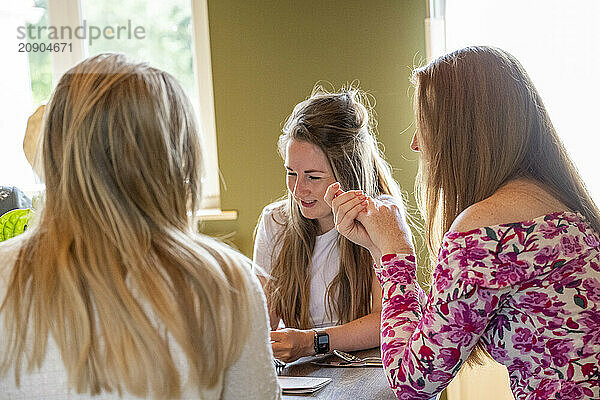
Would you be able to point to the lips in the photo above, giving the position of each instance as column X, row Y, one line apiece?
column 308, row 204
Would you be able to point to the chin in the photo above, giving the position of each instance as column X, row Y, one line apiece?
column 307, row 215
column 310, row 214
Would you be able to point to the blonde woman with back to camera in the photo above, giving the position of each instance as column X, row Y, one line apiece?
column 514, row 231
column 320, row 284
column 112, row 293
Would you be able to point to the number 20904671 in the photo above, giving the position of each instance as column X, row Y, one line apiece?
column 42, row 47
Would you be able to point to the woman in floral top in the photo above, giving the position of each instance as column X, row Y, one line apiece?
column 517, row 275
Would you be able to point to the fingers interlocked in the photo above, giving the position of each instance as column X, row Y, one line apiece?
column 345, row 206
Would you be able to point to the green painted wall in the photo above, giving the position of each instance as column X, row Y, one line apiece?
column 266, row 57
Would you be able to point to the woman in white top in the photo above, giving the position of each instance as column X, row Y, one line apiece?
column 319, row 283
column 112, row 293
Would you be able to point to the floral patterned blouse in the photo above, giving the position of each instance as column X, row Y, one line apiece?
column 529, row 291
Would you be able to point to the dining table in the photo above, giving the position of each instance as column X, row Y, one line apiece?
column 352, row 383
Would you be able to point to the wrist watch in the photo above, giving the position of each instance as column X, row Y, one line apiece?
column 321, row 344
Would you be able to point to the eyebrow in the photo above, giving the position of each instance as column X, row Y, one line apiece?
column 308, row 171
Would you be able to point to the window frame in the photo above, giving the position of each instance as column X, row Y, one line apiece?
column 435, row 29
column 71, row 13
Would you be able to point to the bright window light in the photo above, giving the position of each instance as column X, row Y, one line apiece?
column 557, row 43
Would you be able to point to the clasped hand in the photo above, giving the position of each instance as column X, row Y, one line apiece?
column 378, row 224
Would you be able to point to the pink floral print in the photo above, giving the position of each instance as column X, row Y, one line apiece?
column 528, row 291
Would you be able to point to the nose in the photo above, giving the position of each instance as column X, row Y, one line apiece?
column 300, row 189
column 414, row 145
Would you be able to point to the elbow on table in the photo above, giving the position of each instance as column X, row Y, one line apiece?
column 409, row 389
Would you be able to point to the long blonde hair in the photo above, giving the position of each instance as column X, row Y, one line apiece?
column 343, row 128
column 114, row 268
column 482, row 123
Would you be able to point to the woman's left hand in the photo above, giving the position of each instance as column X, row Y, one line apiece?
column 290, row 344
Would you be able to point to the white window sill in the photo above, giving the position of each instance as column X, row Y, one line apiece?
column 216, row 214
column 207, row 214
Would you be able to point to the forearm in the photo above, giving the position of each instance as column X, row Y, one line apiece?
column 401, row 311
column 362, row 333
column 424, row 343
column 420, row 352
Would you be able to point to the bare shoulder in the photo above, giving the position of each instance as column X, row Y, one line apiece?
column 518, row 200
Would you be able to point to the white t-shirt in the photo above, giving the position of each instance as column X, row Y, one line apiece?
column 324, row 267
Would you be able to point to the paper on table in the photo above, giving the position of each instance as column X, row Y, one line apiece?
column 301, row 384
column 348, row 364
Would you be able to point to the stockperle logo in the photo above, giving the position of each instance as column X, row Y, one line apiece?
column 83, row 31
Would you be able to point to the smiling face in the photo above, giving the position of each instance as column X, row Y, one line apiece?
column 308, row 176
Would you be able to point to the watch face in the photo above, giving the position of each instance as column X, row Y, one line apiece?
column 321, row 342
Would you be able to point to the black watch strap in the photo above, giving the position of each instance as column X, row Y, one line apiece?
column 321, row 344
